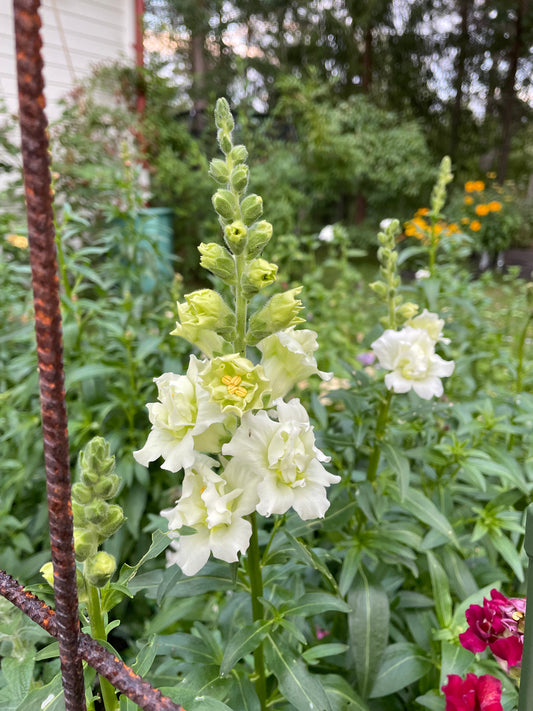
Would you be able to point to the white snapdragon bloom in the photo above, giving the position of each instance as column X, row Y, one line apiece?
column 326, row 234
column 288, row 358
column 410, row 355
column 184, row 420
column 214, row 505
column 284, row 458
column 431, row 323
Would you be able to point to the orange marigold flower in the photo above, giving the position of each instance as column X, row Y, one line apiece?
column 479, row 186
column 465, row 220
column 475, row 225
column 422, row 211
column 494, row 206
column 468, row 200
column 18, row 241
column 470, row 186
column 453, row 227
column 482, row 210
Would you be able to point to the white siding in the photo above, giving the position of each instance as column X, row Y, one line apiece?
column 76, row 35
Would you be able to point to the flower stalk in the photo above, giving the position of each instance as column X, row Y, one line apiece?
column 97, row 622
column 256, row 592
column 381, row 427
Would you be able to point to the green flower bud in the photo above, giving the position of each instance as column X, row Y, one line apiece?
column 235, row 383
column 99, row 569
column 205, row 308
column 223, row 117
column 225, row 204
column 379, row 288
column 78, row 514
column 217, row 260
column 81, row 493
column 239, row 178
column 259, row 274
column 47, row 571
column 407, row 310
column 224, row 141
column 279, row 313
column 259, row 236
column 238, row 154
column 219, row 171
column 85, row 543
column 95, row 461
column 114, row 520
column 251, row 208
column 107, row 487
column 235, row 236
column 96, row 511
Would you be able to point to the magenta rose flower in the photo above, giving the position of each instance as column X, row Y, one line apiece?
column 499, row 625
column 475, row 693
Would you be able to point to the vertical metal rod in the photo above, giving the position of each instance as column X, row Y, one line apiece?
column 43, row 261
column 525, row 696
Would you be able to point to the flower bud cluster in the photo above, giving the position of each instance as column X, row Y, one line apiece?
column 95, row 520
column 225, row 423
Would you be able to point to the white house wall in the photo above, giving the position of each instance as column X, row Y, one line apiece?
column 77, row 34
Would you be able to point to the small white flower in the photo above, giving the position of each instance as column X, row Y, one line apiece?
column 182, row 420
column 284, row 458
column 431, row 323
column 422, row 274
column 410, row 355
column 385, row 223
column 214, row 505
column 327, row 234
column 288, row 358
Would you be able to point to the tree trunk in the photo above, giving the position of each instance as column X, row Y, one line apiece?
column 460, row 63
column 508, row 92
column 198, row 67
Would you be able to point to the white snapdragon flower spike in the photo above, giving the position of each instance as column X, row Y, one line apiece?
column 288, row 358
column 184, row 420
column 214, row 505
column 284, row 459
column 410, row 355
column 431, row 323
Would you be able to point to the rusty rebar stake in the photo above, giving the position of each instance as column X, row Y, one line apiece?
column 43, row 261
column 121, row 676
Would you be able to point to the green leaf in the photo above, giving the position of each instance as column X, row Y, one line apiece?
column 242, row 694
column 425, row 510
column 18, row 674
column 454, row 660
column 403, row 663
column 368, row 624
column 301, row 689
column 432, row 701
column 87, row 372
column 314, row 604
column 184, row 646
column 245, row 641
column 341, row 695
column 311, row 558
column 508, row 552
column 319, row 651
column 45, row 698
column 349, row 569
column 441, row 590
column 399, row 465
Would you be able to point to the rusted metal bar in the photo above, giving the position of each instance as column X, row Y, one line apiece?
column 43, row 261
column 119, row 674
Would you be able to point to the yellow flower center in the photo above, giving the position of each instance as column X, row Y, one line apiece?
column 234, row 385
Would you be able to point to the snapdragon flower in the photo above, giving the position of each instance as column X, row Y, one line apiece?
column 184, row 420
column 214, row 505
column 475, row 693
column 431, row 323
column 283, row 456
column 410, row 355
column 288, row 358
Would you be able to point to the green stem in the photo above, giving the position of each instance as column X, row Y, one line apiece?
column 62, row 265
column 381, row 426
column 256, row 585
column 520, row 365
column 97, row 622
column 241, row 304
